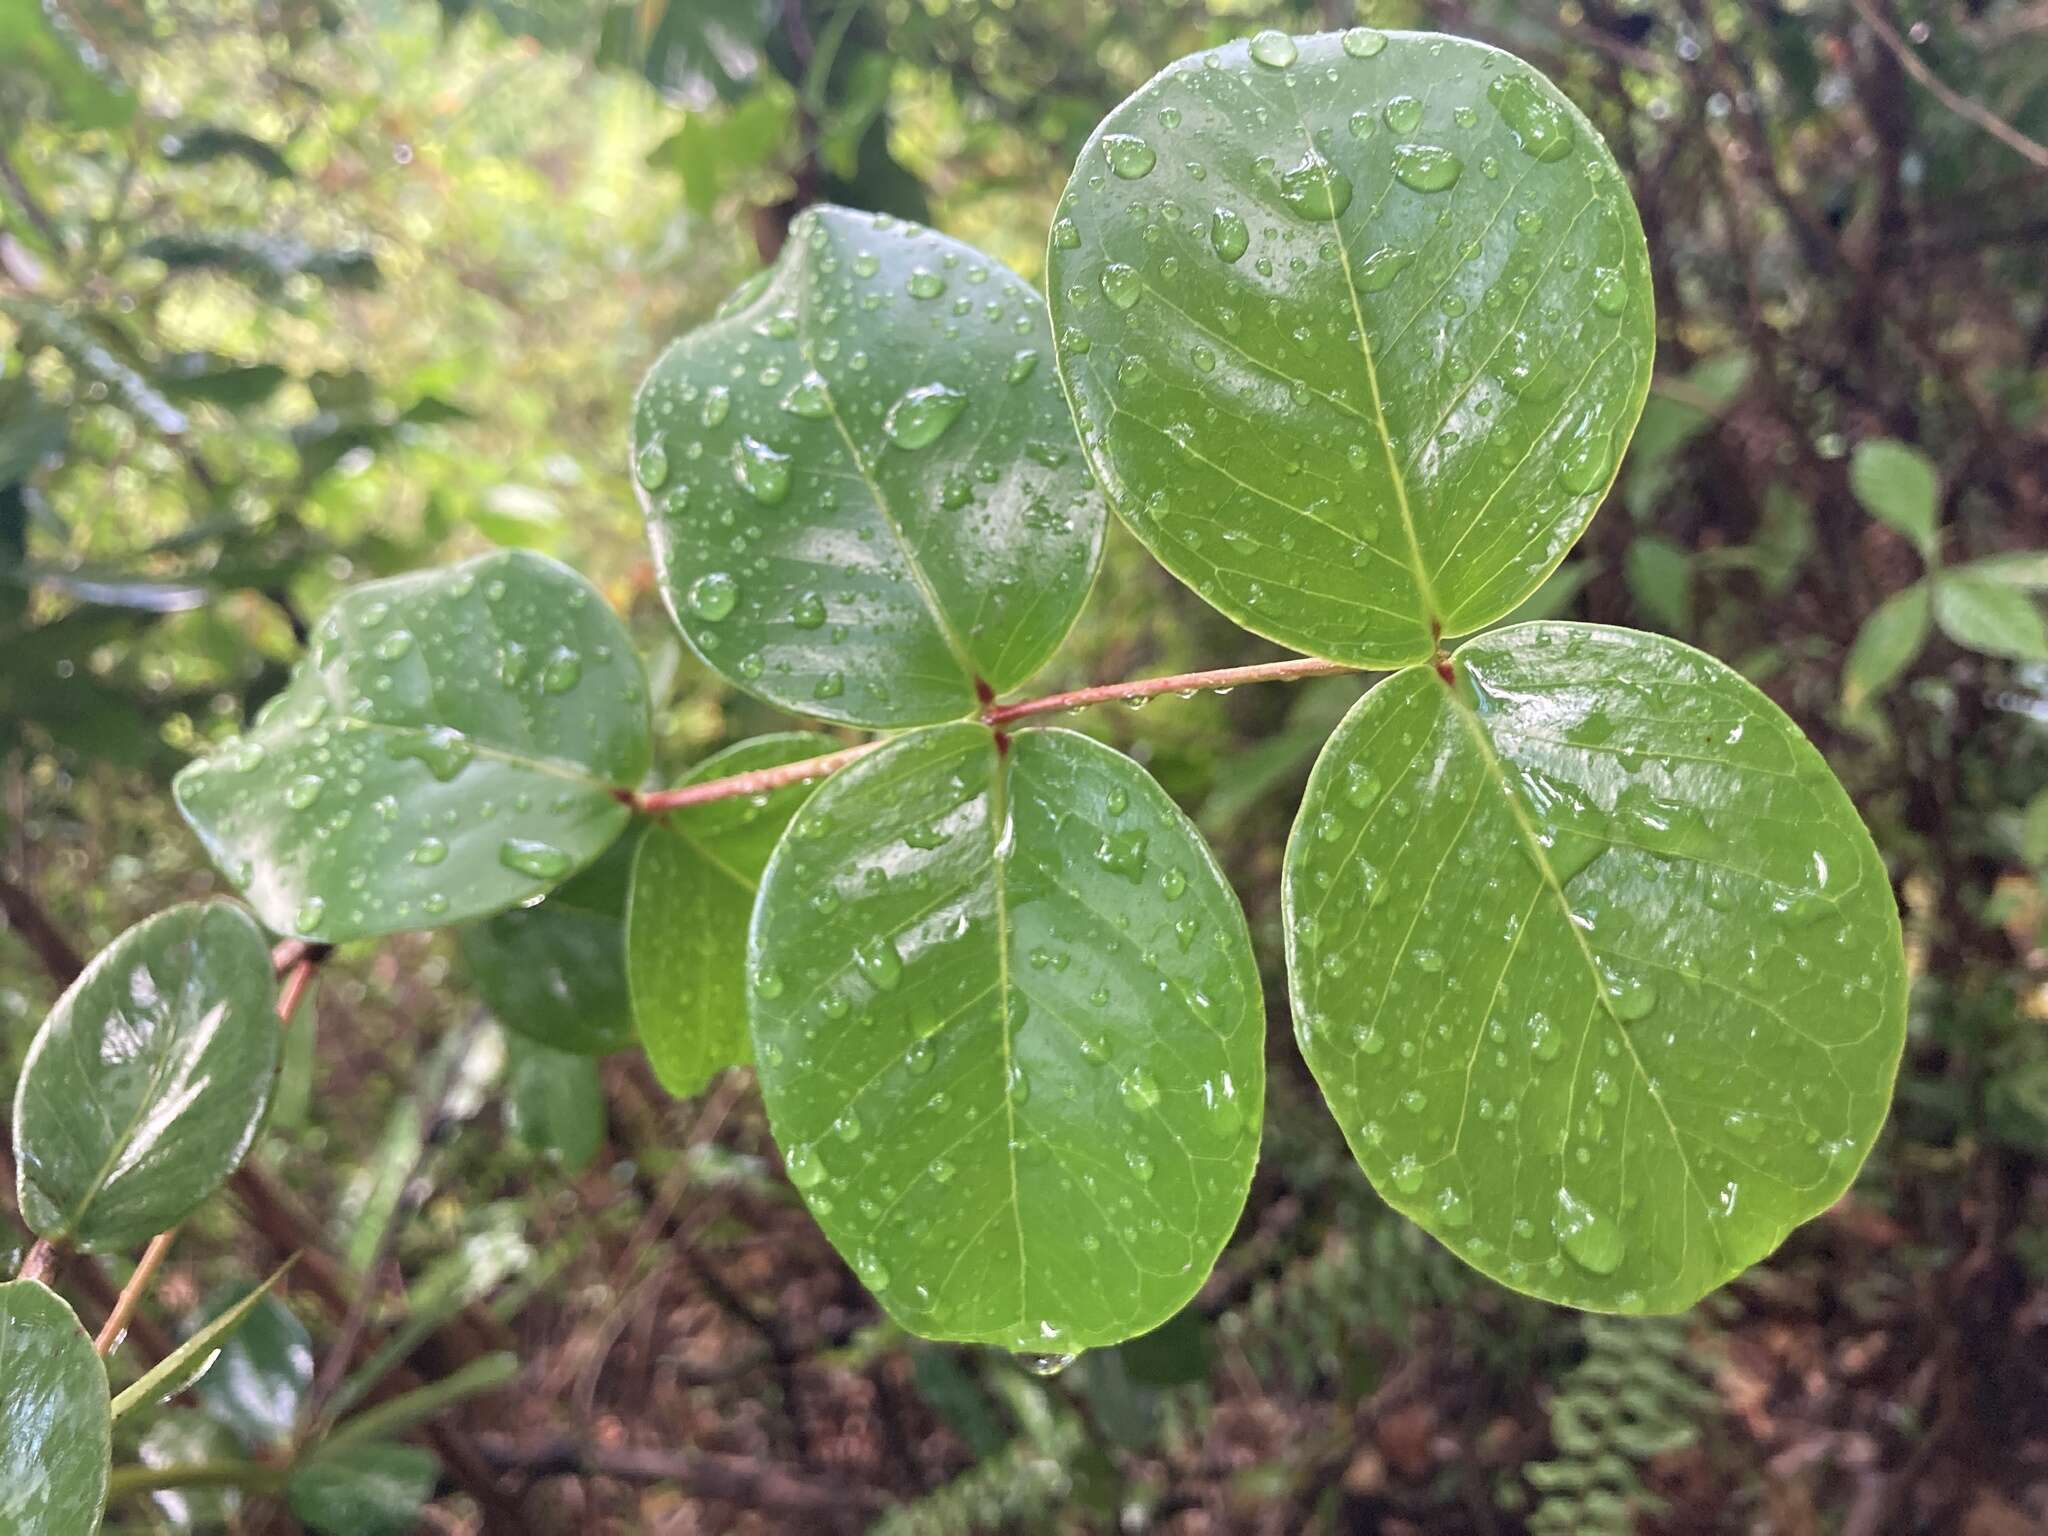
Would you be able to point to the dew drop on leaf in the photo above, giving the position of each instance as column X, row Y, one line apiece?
column 806, row 1168
column 1275, row 50
column 1403, row 114
column 652, row 466
column 1316, row 189
column 924, row 283
column 807, row 397
column 1121, row 284
column 713, row 595
column 1228, row 237
column 921, row 415
column 526, row 856
column 1130, row 157
column 808, row 611
column 1591, row 1238
column 761, row 472
column 878, row 962
column 1538, row 124
column 1427, row 167
column 1138, row 1090
column 1364, row 42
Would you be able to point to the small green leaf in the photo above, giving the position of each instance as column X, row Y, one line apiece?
column 364, row 1490
column 861, row 481
column 43, row 50
column 1899, row 486
column 556, row 972
column 2034, row 831
column 147, row 1083
column 1355, row 333
column 1996, row 618
column 1660, row 580
column 262, row 1376
column 450, row 746
column 1594, row 962
column 1010, row 1036
column 178, row 1369
column 185, row 1439
column 2026, row 570
column 554, row 1103
column 56, row 1440
column 1886, row 645
column 686, row 923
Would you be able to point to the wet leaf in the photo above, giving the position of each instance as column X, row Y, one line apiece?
column 1355, row 332
column 147, row 1083
column 554, row 1104
column 1594, row 962
column 448, row 747
column 686, row 926
column 861, row 482
column 56, row 1440
column 189, row 1361
column 1009, row 1032
column 262, row 1376
column 363, row 1490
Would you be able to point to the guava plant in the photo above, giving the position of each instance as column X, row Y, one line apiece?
column 1588, row 950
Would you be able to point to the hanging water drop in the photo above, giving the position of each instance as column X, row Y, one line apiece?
column 541, row 861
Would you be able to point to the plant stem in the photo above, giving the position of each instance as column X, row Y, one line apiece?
column 250, row 1476
column 762, row 780
column 131, row 1293
column 40, row 1262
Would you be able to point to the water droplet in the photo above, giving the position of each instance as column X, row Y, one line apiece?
column 394, row 646
column 1610, row 293
column 1130, row 157
column 1228, row 237
column 768, row 982
column 1275, row 50
column 1364, row 42
column 1427, row 167
column 1361, row 785
column 1403, row 114
column 1539, row 124
column 924, row 283
column 1591, row 1237
column 829, row 686
column 1172, row 884
column 941, row 1171
column 563, row 671
column 1140, row 1166
column 807, row 397
column 1453, row 1210
column 303, row 791
column 921, row 415
column 761, row 472
column 879, row 962
column 1408, row 1174
column 1065, row 236
column 1022, row 365
column 806, row 1168
column 652, row 466
column 1378, row 271
column 429, row 851
column 1044, row 1365
column 1429, row 961
column 1544, row 1038
column 713, row 595
column 542, row 861
column 1587, row 464
column 1138, row 1090
column 445, row 751
column 307, row 918
column 808, row 611
column 1315, row 189
column 1123, row 853
column 717, row 405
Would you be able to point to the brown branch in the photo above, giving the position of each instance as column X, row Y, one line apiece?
column 116, row 1326
column 701, row 1474
column 1962, row 106
column 27, row 918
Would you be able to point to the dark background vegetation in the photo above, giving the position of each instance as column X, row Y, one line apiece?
column 296, row 292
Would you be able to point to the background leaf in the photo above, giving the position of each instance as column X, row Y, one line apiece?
column 1886, row 645
column 55, row 1436
column 1997, row 618
column 1355, row 328
column 1899, row 486
column 1010, row 1036
column 364, row 1490
column 554, row 1103
column 1594, row 962
column 693, row 894
column 885, row 509
column 262, row 1376
column 464, row 727
column 147, row 1083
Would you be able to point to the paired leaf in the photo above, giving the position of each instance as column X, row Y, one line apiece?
column 1594, row 962
column 860, row 480
column 1994, row 617
column 449, row 747
column 264, row 1371
column 1898, row 485
column 190, row 1360
column 56, row 1440
column 1010, row 1035
column 554, row 1103
column 363, row 1490
column 147, row 1083
column 686, row 927
column 556, row 972
column 1355, row 328
column 1886, row 645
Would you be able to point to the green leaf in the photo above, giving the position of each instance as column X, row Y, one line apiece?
column 861, row 482
column 554, row 1103
column 1355, row 329
column 1660, row 580
column 395, row 1415
column 1994, row 617
column 262, row 1376
column 556, row 972
column 363, row 1490
column 1677, row 413
column 177, row 1369
column 2034, row 831
column 1885, row 646
column 716, row 149
column 38, row 41
column 1010, row 1036
column 267, row 261
column 2027, row 570
column 449, row 746
column 686, row 922
column 147, row 1083
column 56, row 1440
column 185, row 1439
column 202, row 143
column 1594, row 962
column 1899, row 486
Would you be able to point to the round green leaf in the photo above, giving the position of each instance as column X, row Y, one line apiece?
column 861, row 481
column 554, row 1104
column 556, row 972
column 1594, row 962
column 448, row 747
column 262, row 1374
column 1010, row 1036
column 1355, row 327
column 147, row 1083
column 56, row 1438
column 686, row 925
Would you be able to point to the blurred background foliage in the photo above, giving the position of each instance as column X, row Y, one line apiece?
column 294, row 293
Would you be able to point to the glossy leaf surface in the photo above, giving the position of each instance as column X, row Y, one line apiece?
column 1010, row 1036
column 1355, row 327
column 693, row 893
column 861, row 481
column 363, row 1490
column 147, row 1083
column 447, row 748
column 1594, row 962
column 55, row 1435
column 262, row 1376
column 556, row 972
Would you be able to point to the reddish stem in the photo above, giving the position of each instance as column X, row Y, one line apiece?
column 131, row 1293
column 758, row 782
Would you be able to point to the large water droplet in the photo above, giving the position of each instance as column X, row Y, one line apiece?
column 717, row 405
column 1314, row 188
column 1588, row 462
column 1378, row 271
column 1121, row 284
column 1275, row 50
column 1427, row 167
column 1610, row 293
column 1403, row 114
column 526, row 856
column 1138, row 1090
column 1066, row 235
column 429, row 851
column 1539, row 124
column 761, row 472
column 303, row 791
column 808, row 397
column 879, row 962
column 1129, row 156
column 445, row 751
column 1364, row 42
column 563, row 671
column 1123, row 853
column 1590, row 1236
column 1228, row 237
column 652, row 466
column 1022, row 365
column 808, row 611
column 806, row 1168
column 1044, row 1365
column 924, row 283
column 921, row 415
column 713, row 595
